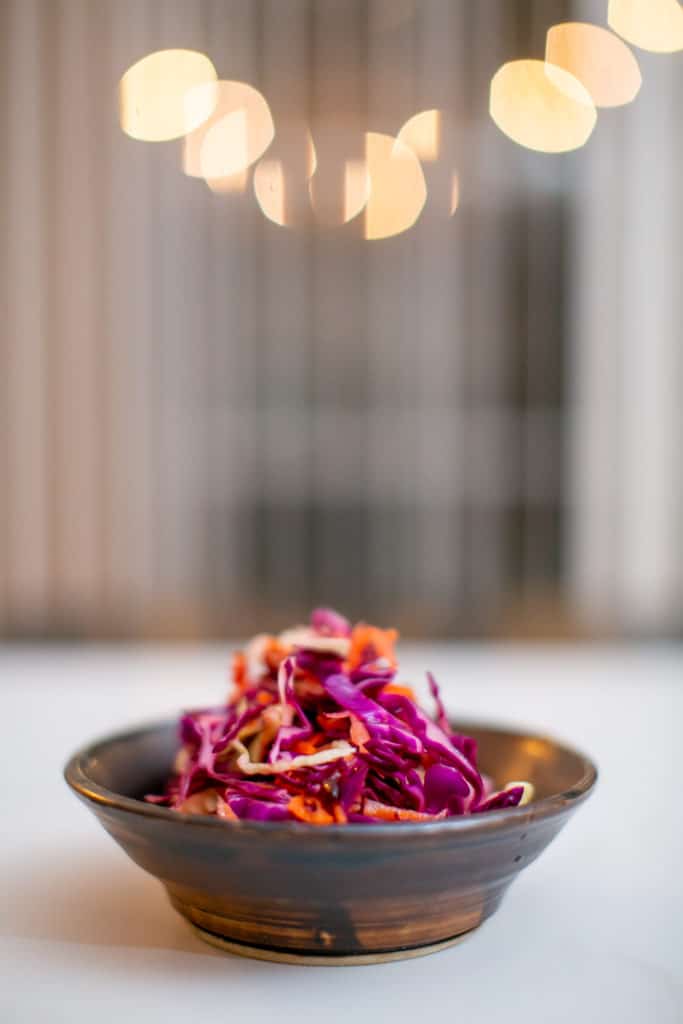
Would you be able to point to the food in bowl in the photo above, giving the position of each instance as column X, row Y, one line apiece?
column 317, row 729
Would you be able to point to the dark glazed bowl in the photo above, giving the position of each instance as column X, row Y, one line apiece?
column 337, row 894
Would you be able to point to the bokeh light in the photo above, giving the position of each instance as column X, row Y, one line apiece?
column 269, row 189
column 232, row 184
column 455, row 194
column 655, row 25
column 397, row 186
column 422, row 133
column 153, row 95
column 356, row 188
column 599, row 59
column 541, row 107
column 224, row 149
column 340, row 187
column 337, row 202
column 281, row 178
column 236, row 135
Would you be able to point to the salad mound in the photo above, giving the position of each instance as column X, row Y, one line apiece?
column 318, row 730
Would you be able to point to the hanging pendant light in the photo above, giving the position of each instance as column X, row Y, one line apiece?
column 541, row 106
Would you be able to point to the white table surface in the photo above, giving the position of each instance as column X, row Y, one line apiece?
column 593, row 931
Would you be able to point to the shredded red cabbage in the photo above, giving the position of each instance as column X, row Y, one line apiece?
column 318, row 730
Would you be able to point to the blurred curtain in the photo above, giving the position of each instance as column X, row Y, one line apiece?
column 209, row 422
column 626, row 377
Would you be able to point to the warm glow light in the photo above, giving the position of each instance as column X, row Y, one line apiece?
column 423, row 134
column 337, row 205
column 153, row 92
column 281, row 179
column 224, row 149
column 541, row 106
column 340, row 187
column 397, row 186
column 599, row 59
column 234, row 183
column 655, row 25
column 237, row 134
column 311, row 157
column 269, row 189
column 455, row 194
column 356, row 188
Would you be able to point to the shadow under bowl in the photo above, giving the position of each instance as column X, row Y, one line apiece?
column 339, row 894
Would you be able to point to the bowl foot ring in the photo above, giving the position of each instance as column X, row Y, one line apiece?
column 287, row 956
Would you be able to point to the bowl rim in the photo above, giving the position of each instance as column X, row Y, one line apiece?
column 84, row 786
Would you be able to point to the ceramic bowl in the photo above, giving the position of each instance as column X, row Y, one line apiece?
column 339, row 894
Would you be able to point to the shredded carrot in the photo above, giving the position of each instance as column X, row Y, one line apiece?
column 304, row 747
column 309, row 808
column 402, row 691
column 263, row 697
column 333, row 720
column 274, row 653
column 239, row 671
column 370, row 644
column 339, row 814
column 383, row 812
column 312, row 745
column 308, row 685
column 224, row 810
column 358, row 733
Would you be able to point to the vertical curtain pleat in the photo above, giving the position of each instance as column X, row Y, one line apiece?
column 25, row 371
column 625, row 550
column 439, row 260
column 490, row 240
column 75, row 340
column 338, row 458
column 4, row 338
column 596, row 326
column 233, row 279
column 280, row 486
column 181, row 344
column 651, row 554
column 391, row 340
column 131, row 295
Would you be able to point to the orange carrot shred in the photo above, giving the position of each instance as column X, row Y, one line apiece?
column 304, row 747
column 239, row 671
column 224, row 810
column 309, row 808
column 358, row 733
column 401, row 691
column 383, row 812
column 370, row 644
column 339, row 814
column 274, row 653
column 311, row 745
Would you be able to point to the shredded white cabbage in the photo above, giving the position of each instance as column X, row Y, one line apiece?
column 309, row 640
column 336, row 750
column 527, row 795
column 254, row 653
